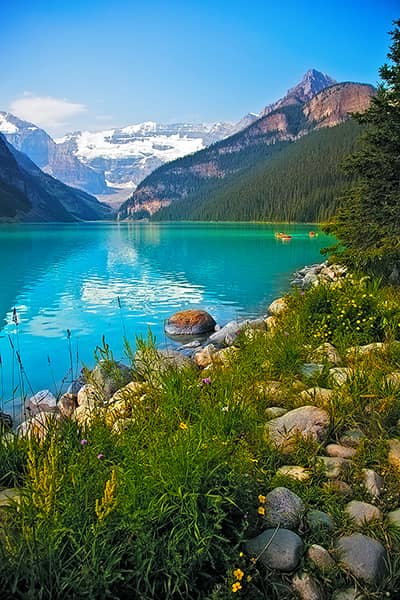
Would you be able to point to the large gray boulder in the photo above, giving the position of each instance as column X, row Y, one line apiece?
column 363, row 557
column 279, row 549
column 108, row 376
column 283, row 508
column 306, row 421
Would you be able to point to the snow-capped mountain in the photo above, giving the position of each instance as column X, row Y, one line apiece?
column 128, row 154
column 54, row 159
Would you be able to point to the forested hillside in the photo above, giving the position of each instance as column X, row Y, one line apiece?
column 298, row 181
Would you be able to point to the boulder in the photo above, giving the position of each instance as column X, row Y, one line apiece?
column 294, row 472
column 43, row 401
column 352, row 438
column 393, row 379
column 151, row 363
column 67, row 404
column 372, row 482
column 275, row 391
column 306, row 421
column 283, row 508
column 227, row 335
column 318, row 395
column 39, row 425
column 275, row 411
column 339, row 451
column 129, row 393
column 189, row 322
column 361, row 351
column 334, row 467
column 363, row 557
column 394, row 517
column 10, row 495
column 318, row 520
column 320, row 557
column 89, row 396
column 271, row 323
column 338, row 486
column 311, row 369
column 348, row 594
column 306, row 587
column 327, row 353
column 277, row 307
column 362, row 512
column 340, row 375
column 204, row 357
column 279, row 549
column 108, row 376
column 223, row 357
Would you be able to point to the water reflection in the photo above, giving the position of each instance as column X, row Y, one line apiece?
column 78, row 276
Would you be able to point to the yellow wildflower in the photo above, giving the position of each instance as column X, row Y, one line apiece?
column 238, row 574
column 183, row 426
column 236, row 586
column 249, row 578
column 261, row 499
column 261, row 510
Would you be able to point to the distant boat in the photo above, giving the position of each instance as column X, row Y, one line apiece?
column 282, row 236
column 312, row 234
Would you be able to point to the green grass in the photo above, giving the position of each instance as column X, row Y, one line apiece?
column 161, row 507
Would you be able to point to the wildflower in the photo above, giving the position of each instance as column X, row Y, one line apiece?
column 100, row 456
column 225, row 408
column 83, row 442
column 261, row 499
column 238, row 574
column 236, row 586
column 261, row 510
column 206, row 381
column 183, row 426
column 241, row 554
column 249, row 578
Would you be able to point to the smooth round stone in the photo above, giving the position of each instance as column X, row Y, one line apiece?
column 283, row 508
column 277, row 307
column 320, row 557
column 307, row 588
column 326, row 352
column 190, row 322
column 318, row 395
column 294, row 472
column 372, row 482
column 339, row 451
column 306, row 421
column 362, row 512
column 352, row 438
column 279, row 549
column 334, row 467
column 363, row 557
column 9, row 495
column 317, row 520
column 394, row 517
column 275, row 411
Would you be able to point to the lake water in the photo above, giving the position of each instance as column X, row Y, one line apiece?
column 106, row 278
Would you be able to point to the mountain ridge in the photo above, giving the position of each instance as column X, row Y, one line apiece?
column 287, row 123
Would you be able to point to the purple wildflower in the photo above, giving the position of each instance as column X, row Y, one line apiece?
column 206, row 381
column 83, row 442
column 100, row 456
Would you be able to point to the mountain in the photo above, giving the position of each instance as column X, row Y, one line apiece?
column 127, row 155
column 27, row 194
column 55, row 159
column 312, row 82
column 201, row 174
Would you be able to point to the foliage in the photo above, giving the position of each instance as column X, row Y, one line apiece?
column 160, row 507
column 298, row 181
column 368, row 221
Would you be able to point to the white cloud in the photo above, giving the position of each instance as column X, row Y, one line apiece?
column 46, row 111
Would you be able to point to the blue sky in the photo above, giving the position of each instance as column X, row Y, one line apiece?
column 97, row 64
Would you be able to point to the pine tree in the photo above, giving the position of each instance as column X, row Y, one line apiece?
column 367, row 223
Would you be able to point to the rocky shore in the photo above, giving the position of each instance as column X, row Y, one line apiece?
column 289, row 528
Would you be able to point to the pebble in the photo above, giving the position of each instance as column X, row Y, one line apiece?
column 363, row 512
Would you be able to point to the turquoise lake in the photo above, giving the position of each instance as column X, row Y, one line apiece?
column 103, row 278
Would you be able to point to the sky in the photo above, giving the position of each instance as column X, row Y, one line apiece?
column 95, row 64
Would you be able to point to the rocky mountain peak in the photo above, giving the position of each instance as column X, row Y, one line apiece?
column 312, row 82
